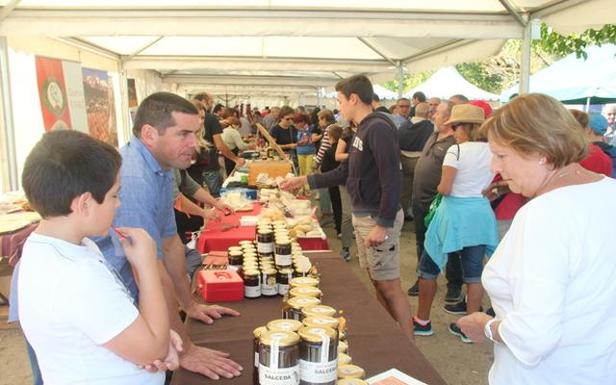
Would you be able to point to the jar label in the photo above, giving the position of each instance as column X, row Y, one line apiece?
column 283, row 289
column 283, row 260
column 265, row 248
column 257, row 360
column 318, row 372
column 267, row 289
column 276, row 376
column 252, row 291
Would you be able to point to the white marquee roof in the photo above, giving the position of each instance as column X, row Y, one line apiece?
column 290, row 44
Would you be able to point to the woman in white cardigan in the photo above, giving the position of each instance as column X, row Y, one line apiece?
column 552, row 279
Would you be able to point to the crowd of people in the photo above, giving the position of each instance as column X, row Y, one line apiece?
column 525, row 187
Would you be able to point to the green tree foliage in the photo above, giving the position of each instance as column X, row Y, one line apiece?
column 560, row 45
column 501, row 71
column 477, row 73
column 409, row 81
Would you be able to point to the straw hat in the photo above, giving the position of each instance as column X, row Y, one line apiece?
column 465, row 113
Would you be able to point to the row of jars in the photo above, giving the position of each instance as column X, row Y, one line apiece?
column 261, row 274
column 310, row 352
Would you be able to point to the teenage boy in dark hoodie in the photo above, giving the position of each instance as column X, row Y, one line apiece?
column 372, row 177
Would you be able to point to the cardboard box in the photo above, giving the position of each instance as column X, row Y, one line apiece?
column 220, row 286
column 273, row 168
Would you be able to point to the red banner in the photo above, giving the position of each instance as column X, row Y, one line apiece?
column 52, row 91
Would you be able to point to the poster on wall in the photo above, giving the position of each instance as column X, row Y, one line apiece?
column 98, row 93
column 74, row 92
column 52, row 92
column 132, row 93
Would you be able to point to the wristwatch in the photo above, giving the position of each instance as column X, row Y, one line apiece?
column 487, row 330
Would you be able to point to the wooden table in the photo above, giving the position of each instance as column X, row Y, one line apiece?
column 375, row 341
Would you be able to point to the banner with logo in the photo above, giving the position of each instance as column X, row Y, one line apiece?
column 53, row 95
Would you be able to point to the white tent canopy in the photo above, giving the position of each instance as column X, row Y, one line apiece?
column 448, row 81
column 289, row 48
column 320, row 41
column 574, row 80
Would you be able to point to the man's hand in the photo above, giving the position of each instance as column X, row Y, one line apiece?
column 225, row 208
column 211, row 214
column 172, row 360
column 210, row 363
column 376, row 236
column 294, row 183
column 240, row 161
column 473, row 324
column 207, row 314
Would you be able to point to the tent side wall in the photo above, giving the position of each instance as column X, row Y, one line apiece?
column 28, row 124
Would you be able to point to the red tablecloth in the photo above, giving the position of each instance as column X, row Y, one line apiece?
column 213, row 238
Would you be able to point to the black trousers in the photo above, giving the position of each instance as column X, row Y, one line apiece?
column 334, row 196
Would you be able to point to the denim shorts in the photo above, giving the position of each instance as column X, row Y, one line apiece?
column 472, row 264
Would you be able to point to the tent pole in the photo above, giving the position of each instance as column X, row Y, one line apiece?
column 125, row 113
column 525, row 59
column 10, row 174
column 587, row 104
column 400, row 79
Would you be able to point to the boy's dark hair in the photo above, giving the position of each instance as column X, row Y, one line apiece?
column 419, row 96
column 375, row 97
column 357, row 84
column 156, row 110
column 64, row 165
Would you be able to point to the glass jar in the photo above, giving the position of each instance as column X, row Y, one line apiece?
column 321, row 321
column 252, row 284
column 343, row 347
column 246, row 243
column 279, row 358
column 305, row 291
column 265, row 242
column 350, row 371
column 282, row 279
column 234, row 248
column 343, row 358
column 292, row 307
column 269, row 287
column 319, row 311
column 318, row 356
column 304, row 281
column 351, row 381
column 284, row 325
column 283, row 254
column 236, row 258
column 255, row 349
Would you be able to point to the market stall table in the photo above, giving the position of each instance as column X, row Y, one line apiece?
column 220, row 235
column 375, row 341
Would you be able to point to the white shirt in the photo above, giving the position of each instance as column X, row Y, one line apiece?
column 233, row 139
column 552, row 282
column 69, row 305
column 473, row 168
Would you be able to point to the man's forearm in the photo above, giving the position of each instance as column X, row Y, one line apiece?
column 175, row 263
column 189, row 207
column 172, row 304
column 205, row 197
